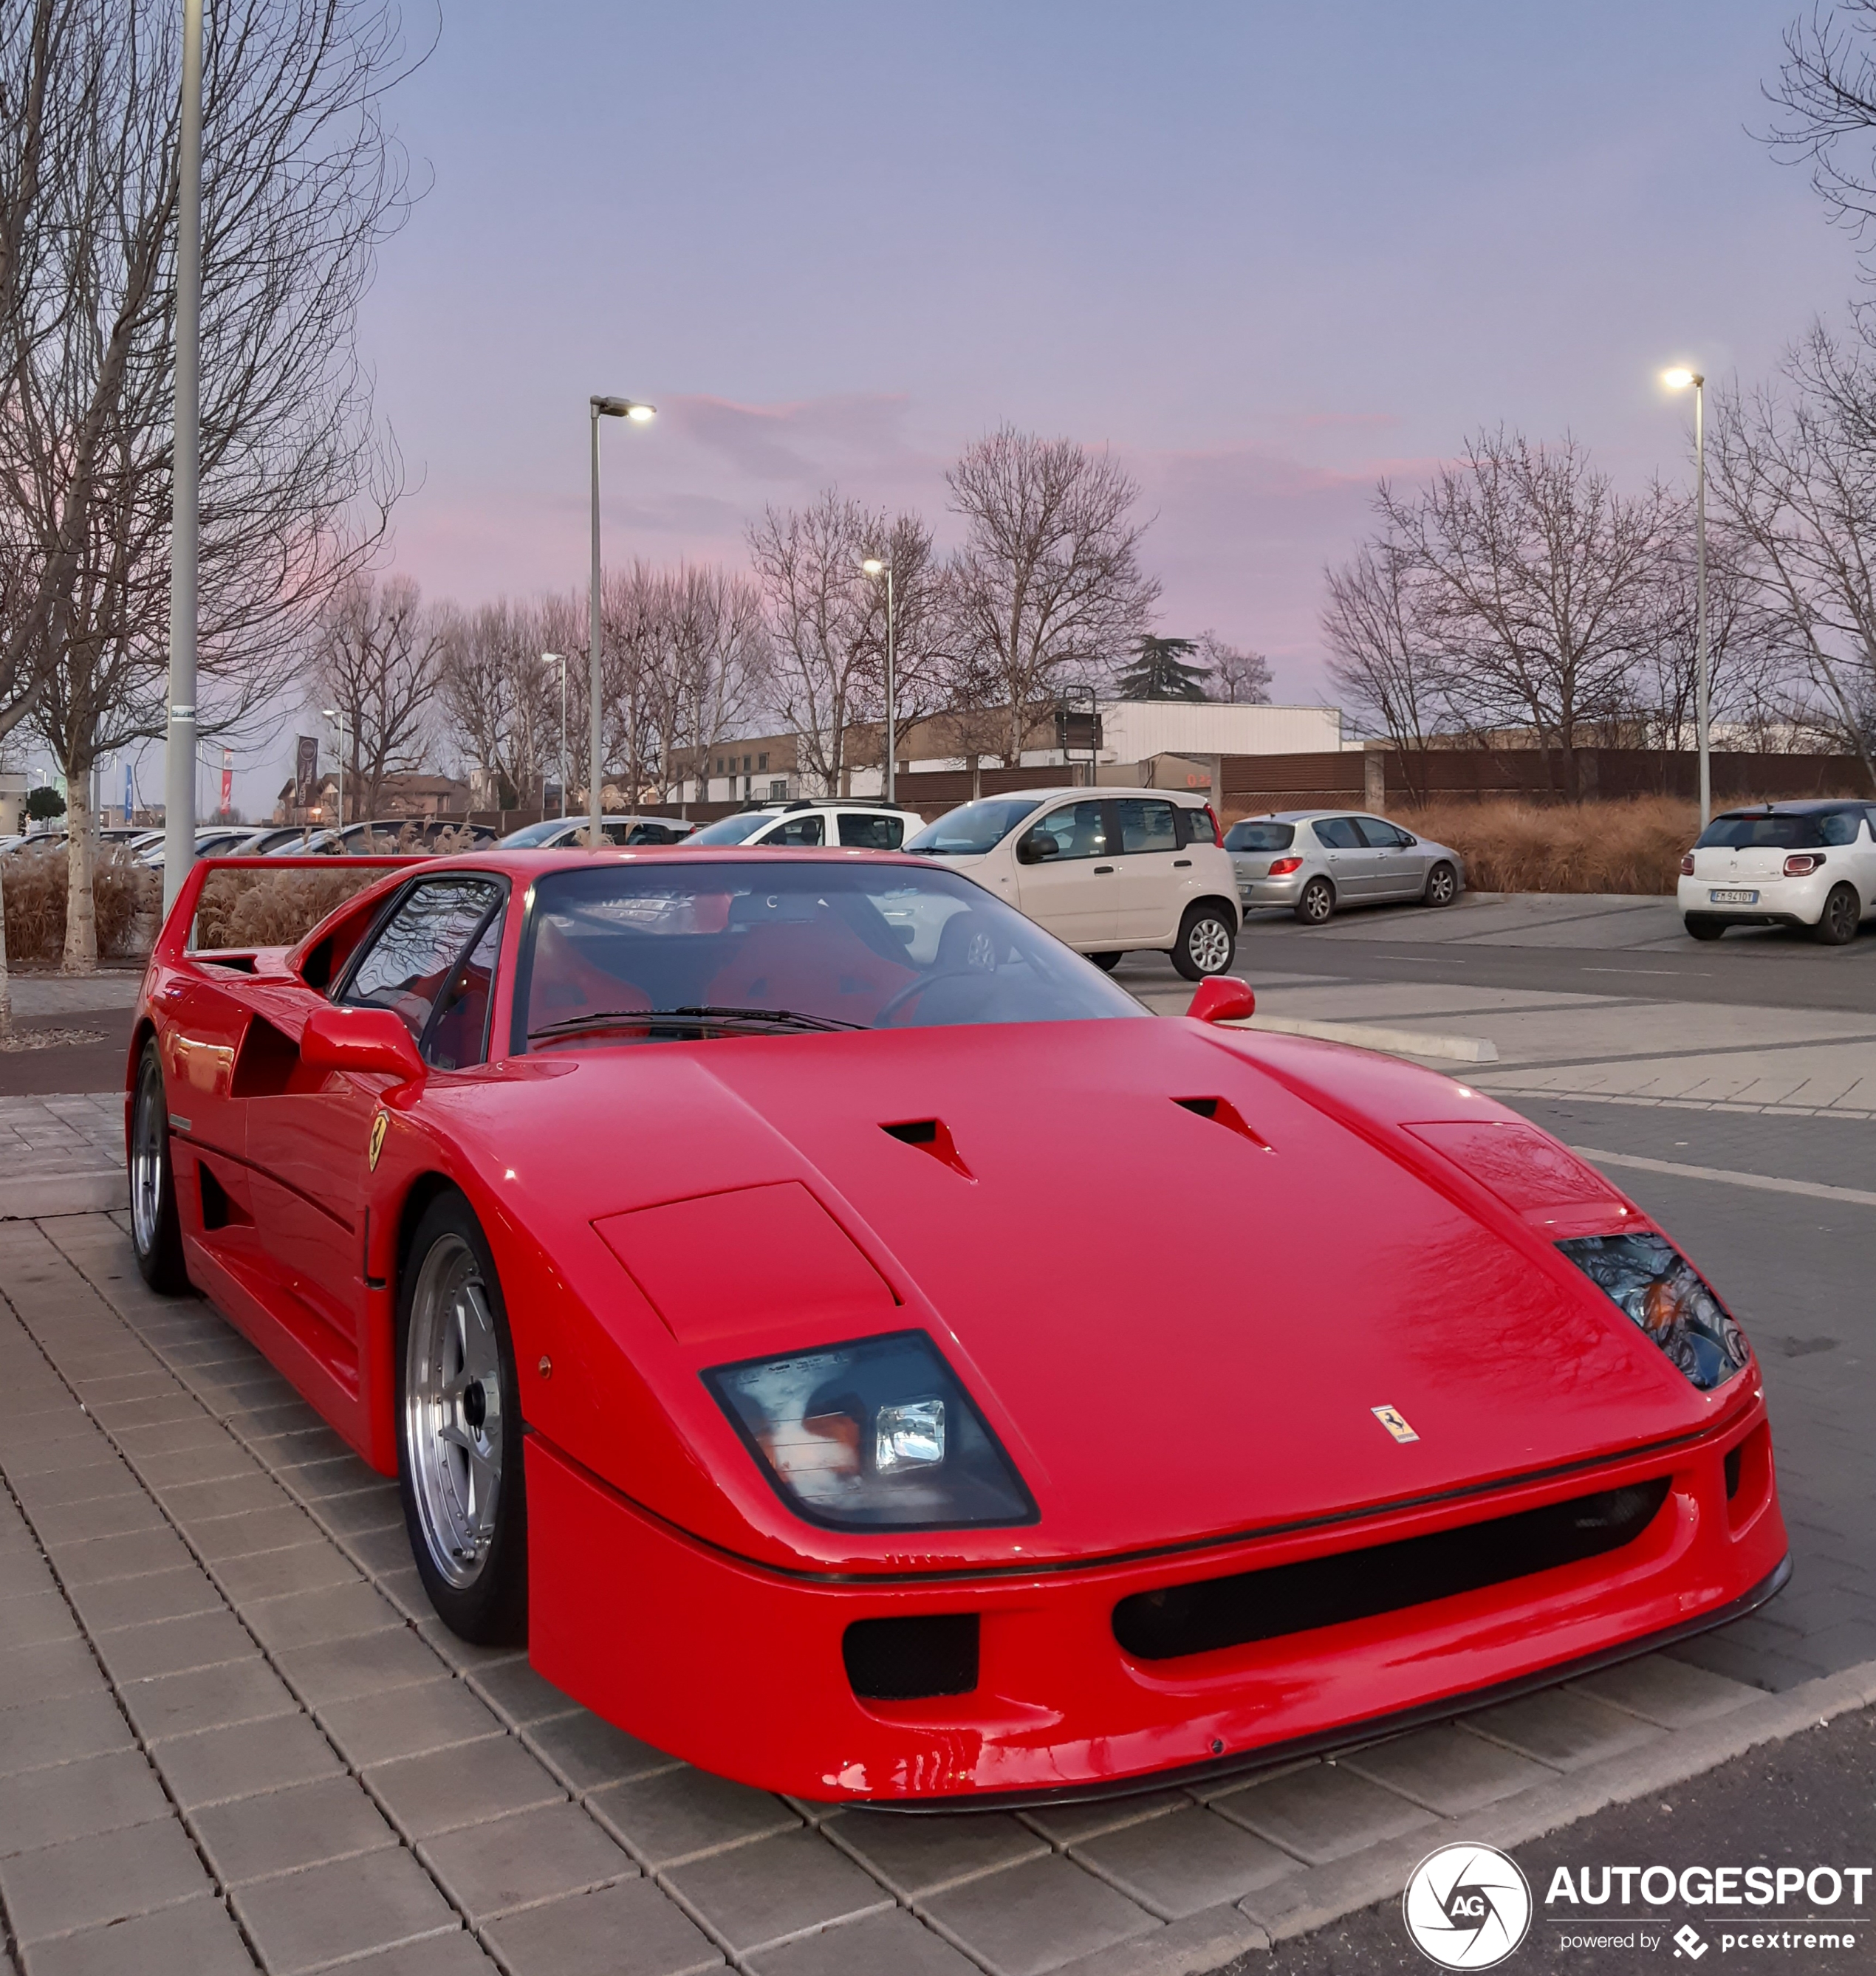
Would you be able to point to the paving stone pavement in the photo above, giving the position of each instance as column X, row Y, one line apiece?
column 61, row 1155
column 232, row 1734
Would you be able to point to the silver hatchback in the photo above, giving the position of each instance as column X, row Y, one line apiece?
column 1316, row 861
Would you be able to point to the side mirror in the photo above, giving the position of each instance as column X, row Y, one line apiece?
column 366, row 1039
column 1037, row 848
column 1222, row 999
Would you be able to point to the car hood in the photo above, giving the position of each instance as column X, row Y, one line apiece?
column 1182, row 1325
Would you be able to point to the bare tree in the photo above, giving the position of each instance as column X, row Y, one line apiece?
column 380, row 663
column 719, row 652
column 1048, row 585
column 1825, row 100
column 1384, row 655
column 1240, row 675
column 502, row 700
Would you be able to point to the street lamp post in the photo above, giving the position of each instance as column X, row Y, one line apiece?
column 876, row 567
column 599, row 408
column 337, row 715
column 560, row 659
column 179, row 768
column 1678, row 380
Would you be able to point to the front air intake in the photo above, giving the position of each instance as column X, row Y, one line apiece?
column 906, row 1660
column 1215, row 1612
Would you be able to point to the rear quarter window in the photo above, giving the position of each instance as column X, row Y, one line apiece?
column 1253, row 835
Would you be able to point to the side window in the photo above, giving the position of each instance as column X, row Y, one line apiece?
column 408, row 965
column 1146, row 825
column 1839, row 826
column 1381, row 836
column 1077, row 830
column 459, row 1030
column 799, row 833
column 870, row 833
column 1338, row 833
column 1193, row 826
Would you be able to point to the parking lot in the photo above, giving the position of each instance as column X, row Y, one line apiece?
column 232, row 1735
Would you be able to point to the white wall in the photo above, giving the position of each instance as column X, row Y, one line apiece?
column 1132, row 729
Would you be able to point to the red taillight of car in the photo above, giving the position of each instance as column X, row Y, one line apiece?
column 1802, row 864
column 1281, row 867
column 1686, row 865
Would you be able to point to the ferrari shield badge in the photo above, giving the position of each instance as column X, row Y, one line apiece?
column 380, row 1126
column 1390, row 1418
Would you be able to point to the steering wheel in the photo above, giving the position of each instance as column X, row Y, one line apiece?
column 897, row 1000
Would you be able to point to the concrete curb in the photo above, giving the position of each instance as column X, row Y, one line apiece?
column 1392, row 1042
column 1301, row 1903
column 45, row 1194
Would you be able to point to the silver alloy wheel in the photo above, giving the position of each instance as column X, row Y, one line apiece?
column 1440, row 885
column 453, row 1410
column 1209, row 944
column 1318, row 901
column 147, row 1148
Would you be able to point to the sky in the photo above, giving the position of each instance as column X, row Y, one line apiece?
column 1266, row 253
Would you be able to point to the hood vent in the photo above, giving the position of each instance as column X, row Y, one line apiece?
column 1222, row 1111
column 932, row 1136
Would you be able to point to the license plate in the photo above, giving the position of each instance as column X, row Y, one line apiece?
column 1735, row 897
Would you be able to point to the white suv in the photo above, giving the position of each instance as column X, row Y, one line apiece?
column 1106, row 871
column 849, row 825
column 1810, row 864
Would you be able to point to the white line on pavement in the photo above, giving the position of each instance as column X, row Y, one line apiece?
column 1766, row 1183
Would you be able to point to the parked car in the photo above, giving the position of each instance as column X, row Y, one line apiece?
column 215, row 840
column 874, row 1376
column 556, row 833
column 1106, row 871
column 293, row 840
column 1316, row 861
column 1810, row 864
column 802, row 825
column 382, row 835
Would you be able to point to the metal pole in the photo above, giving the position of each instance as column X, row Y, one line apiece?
column 563, row 737
column 179, row 769
column 594, row 831
column 892, row 737
column 1702, row 709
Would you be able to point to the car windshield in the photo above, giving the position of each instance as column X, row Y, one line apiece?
column 1251, row 835
column 732, row 829
column 976, row 828
column 723, row 948
column 1789, row 830
column 530, row 835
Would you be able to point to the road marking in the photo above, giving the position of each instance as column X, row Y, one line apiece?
column 1665, row 973
column 1765, row 1183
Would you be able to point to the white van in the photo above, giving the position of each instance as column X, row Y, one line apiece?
column 1106, row 871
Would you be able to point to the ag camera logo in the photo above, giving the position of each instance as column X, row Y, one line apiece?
column 1467, row 1907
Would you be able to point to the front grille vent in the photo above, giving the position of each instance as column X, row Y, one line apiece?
column 1284, row 1599
column 905, row 1660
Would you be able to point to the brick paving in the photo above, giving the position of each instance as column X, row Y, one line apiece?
column 233, row 1735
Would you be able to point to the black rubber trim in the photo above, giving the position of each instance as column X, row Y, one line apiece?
column 1272, row 1755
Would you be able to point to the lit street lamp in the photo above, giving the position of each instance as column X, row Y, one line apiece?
column 599, row 408
column 1678, row 380
column 560, row 659
column 876, row 567
column 337, row 715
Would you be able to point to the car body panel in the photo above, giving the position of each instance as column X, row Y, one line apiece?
column 1366, row 866
column 1748, row 885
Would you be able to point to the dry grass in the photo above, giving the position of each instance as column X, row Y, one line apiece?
column 1631, row 846
column 250, row 908
column 124, row 893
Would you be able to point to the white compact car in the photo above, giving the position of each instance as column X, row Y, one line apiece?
column 1809, row 865
column 1104, row 870
column 852, row 825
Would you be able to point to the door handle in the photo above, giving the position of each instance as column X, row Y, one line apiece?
column 1103, row 871
column 1181, row 864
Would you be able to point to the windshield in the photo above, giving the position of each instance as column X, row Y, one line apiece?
column 787, row 946
column 1250, row 835
column 529, row 834
column 1786, row 831
column 732, row 829
column 978, row 827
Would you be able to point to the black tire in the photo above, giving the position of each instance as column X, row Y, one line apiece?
column 1443, row 885
column 1207, row 944
column 1704, row 926
column 1106, row 963
column 1315, row 904
column 1837, row 924
column 470, row 1538
column 156, row 1229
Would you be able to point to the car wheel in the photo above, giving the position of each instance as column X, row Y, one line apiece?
column 460, row 1430
column 1443, row 885
column 1315, row 903
column 1704, row 926
column 1207, row 941
column 1837, row 924
column 1107, row 963
column 155, row 1231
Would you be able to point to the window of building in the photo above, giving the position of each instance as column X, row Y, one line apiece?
column 762, row 762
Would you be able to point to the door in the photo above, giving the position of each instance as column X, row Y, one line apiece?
column 1150, row 895
column 1400, row 860
column 1353, row 869
column 794, row 833
column 431, row 963
column 871, row 830
column 1066, row 870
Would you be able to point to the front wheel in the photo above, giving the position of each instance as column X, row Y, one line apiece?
column 1837, row 924
column 460, row 1430
column 156, row 1232
column 1704, row 926
column 1207, row 941
column 1443, row 885
column 1315, row 903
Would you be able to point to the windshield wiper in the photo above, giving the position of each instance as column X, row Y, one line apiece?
column 696, row 1017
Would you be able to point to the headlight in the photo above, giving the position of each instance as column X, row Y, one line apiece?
column 878, row 1433
column 1664, row 1295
